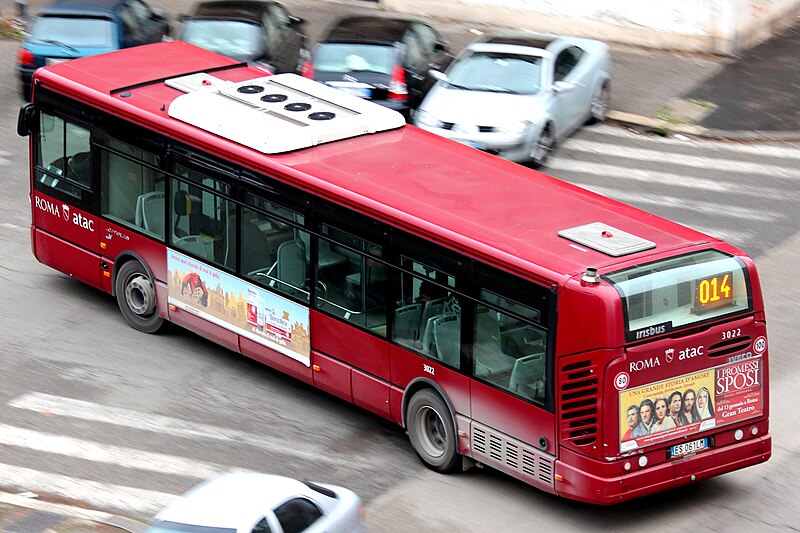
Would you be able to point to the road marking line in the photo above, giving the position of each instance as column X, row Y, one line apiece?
column 665, row 178
column 97, row 495
column 758, row 149
column 72, row 408
column 696, row 161
column 683, row 203
column 108, row 454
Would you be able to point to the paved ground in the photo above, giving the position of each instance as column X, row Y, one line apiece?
column 750, row 97
column 759, row 92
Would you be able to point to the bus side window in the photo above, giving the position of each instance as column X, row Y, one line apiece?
column 133, row 191
column 509, row 352
column 203, row 219
column 352, row 282
column 64, row 156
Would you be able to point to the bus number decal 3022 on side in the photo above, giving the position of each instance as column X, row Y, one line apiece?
column 429, row 369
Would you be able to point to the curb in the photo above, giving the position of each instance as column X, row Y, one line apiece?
column 122, row 523
column 664, row 128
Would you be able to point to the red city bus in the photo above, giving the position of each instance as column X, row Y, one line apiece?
column 502, row 316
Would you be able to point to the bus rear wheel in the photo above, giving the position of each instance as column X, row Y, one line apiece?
column 432, row 432
column 136, row 297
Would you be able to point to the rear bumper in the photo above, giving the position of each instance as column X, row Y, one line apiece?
column 581, row 485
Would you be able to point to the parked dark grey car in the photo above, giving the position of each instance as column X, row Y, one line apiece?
column 257, row 31
column 385, row 60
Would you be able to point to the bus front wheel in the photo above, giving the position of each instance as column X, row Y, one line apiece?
column 136, row 296
column 432, row 432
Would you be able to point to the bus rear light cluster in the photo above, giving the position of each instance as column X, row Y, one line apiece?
column 738, row 434
column 754, row 430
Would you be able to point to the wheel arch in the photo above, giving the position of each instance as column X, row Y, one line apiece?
column 125, row 257
column 422, row 383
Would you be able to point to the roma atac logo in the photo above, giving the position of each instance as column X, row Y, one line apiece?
column 64, row 211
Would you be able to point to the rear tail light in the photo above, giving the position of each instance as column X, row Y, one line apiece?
column 25, row 57
column 397, row 85
column 308, row 69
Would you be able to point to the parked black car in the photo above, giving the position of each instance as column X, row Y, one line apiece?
column 382, row 59
column 254, row 31
column 66, row 29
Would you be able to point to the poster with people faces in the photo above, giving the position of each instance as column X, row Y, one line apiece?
column 690, row 404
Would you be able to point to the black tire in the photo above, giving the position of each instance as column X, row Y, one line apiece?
column 432, row 432
column 545, row 145
column 136, row 297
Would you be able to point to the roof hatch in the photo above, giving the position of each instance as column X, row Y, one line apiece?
column 276, row 114
column 606, row 239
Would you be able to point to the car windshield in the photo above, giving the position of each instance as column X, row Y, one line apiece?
column 232, row 38
column 497, row 72
column 73, row 32
column 163, row 526
column 350, row 57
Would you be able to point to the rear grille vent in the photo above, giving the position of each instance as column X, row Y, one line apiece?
column 578, row 402
column 511, row 455
column 730, row 346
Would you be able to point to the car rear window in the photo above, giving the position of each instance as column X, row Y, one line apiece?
column 353, row 57
column 236, row 39
column 74, row 31
column 498, row 72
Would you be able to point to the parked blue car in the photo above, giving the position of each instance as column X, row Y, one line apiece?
column 67, row 29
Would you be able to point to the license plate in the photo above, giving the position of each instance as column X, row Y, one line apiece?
column 688, row 447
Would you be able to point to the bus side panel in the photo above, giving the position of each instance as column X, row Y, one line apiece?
column 350, row 345
column 407, row 366
column 332, row 376
column 514, row 417
column 76, row 262
column 205, row 329
column 370, row 393
column 276, row 360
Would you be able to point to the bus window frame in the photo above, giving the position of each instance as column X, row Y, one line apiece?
column 630, row 338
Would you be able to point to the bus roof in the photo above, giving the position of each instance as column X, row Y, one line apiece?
column 473, row 202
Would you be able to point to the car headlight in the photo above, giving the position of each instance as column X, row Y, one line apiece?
column 423, row 118
column 517, row 128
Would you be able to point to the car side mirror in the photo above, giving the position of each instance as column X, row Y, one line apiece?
column 562, row 86
column 296, row 21
column 437, row 75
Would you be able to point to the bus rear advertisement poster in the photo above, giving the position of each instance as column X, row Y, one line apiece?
column 234, row 304
column 690, row 404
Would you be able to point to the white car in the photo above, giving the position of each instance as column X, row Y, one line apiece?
column 516, row 96
column 240, row 502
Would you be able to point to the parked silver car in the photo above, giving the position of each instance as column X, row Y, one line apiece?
column 249, row 502
column 516, row 96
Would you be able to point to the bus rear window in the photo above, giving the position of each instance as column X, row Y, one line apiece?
column 681, row 291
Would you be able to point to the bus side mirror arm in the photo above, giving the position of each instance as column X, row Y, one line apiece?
column 27, row 114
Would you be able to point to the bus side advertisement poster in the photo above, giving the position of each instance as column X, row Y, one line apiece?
column 241, row 307
column 710, row 398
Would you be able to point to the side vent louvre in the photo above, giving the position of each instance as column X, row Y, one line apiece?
column 511, row 455
column 479, row 440
column 728, row 347
column 578, row 402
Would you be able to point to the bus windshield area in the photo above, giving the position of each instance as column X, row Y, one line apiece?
column 681, row 291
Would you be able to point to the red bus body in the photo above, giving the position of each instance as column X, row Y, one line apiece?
column 490, row 211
